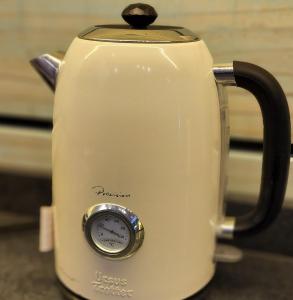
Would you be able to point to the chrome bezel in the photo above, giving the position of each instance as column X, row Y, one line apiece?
column 129, row 218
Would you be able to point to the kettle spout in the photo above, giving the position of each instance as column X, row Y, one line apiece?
column 47, row 65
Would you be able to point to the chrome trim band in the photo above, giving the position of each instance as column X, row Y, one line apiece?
column 226, row 228
column 224, row 74
column 134, row 225
column 126, row 34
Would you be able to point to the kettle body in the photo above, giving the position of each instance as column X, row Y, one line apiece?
column 133, row 127
column 139, row 149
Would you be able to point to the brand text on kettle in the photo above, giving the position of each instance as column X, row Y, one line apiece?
column 100, row 191
column 113, row 286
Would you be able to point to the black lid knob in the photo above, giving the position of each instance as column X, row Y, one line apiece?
column 139, row 15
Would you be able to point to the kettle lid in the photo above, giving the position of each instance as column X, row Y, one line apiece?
column 139, row 16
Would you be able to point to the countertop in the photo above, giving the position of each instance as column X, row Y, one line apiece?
column 27, row 274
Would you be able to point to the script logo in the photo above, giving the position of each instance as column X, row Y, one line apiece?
column 100, row 191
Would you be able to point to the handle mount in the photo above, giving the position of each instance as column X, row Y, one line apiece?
column 276, row 143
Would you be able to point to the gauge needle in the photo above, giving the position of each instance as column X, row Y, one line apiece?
column 113, row 232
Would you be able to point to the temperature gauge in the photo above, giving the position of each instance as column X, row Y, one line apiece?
column 113, row 230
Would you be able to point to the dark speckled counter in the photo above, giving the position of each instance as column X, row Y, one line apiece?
column 29, row 275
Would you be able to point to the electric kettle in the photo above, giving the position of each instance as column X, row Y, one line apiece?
column 140, row 142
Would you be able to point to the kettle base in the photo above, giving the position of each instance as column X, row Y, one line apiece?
column 69, row 295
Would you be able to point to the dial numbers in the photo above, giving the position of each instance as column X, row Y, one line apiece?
column 110, row 233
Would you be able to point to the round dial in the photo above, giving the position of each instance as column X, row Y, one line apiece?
column 113, row 230
column 110, row 233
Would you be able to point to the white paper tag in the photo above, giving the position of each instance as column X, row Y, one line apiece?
column 46, row 237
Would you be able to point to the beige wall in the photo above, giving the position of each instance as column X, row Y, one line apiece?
column 259, row 31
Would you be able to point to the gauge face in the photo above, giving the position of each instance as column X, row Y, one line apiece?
column 110, row 233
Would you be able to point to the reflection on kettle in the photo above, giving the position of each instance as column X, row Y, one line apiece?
column 139, row 158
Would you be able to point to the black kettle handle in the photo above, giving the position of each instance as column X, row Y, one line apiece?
column 276, row 146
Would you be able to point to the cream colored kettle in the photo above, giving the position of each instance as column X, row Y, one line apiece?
column 140, row 142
